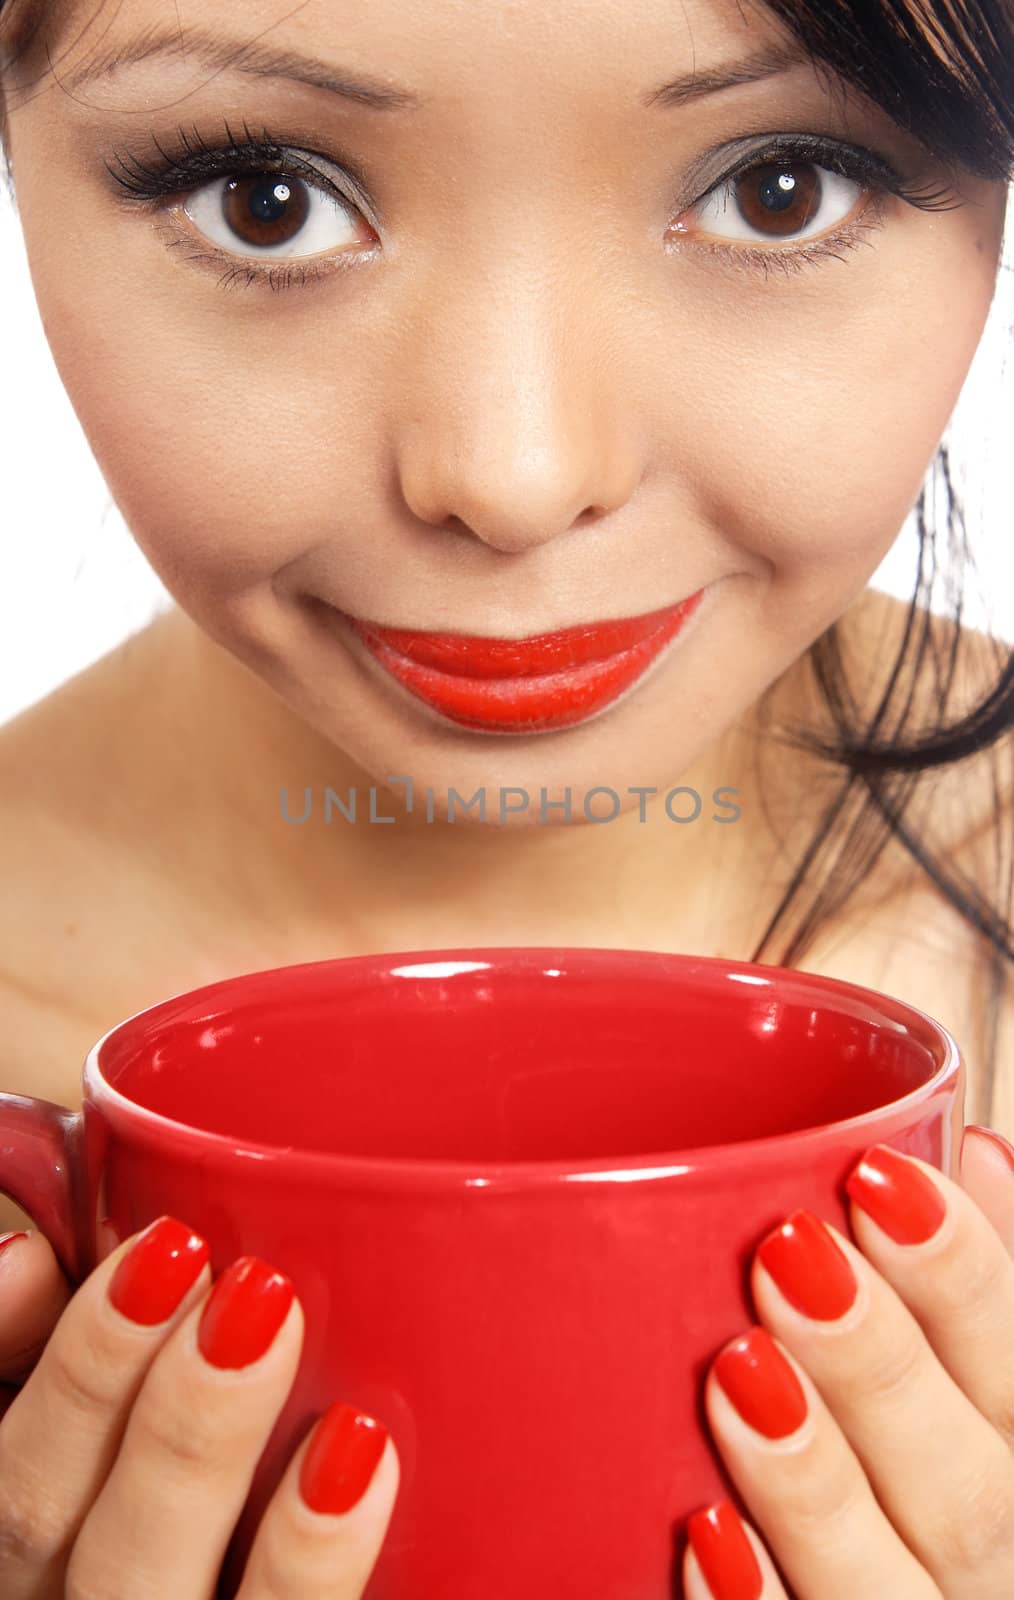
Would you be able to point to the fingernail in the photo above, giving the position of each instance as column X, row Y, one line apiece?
column 244, row 1311
column 155, row 1273
column 761, row 1384
column 997, row 1140
column 808, row 1267
column 341, row 1460
column 897, row 1195
column 724, row 1553
column 9, row 1238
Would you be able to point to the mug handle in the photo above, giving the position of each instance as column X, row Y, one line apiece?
column 40, row 1169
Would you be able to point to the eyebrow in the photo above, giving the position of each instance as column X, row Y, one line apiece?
column 264, row 61
column 774, row 59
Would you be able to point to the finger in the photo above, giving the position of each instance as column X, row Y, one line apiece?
column 33, row 1295
column 801, row 1480
column 958, row 1282
column 947, row 1488
column 321, row 1534
column 61, row 1432
column 164, row 1517
column 987, row 1176
column 725, row 1556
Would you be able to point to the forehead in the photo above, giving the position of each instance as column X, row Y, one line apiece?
column 443, row 46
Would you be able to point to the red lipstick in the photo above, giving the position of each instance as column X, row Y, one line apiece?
column 550, row 680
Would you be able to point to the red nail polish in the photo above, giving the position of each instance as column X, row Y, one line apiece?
column 808, row 1267
column 341, row 1460
column 761, row 1384
column 244, row 1311
column 897, row 1195
column 9, row 1238
column 724, row 1553
column 156, row 1272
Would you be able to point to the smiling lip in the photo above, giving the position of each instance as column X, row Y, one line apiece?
column 550, row 680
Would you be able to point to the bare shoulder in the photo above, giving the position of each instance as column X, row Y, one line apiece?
column 46, row 1029
column 922, row 950
column 961, row 805
column 83, row 909
column 959, row 801
column 88, row 900
column 904, row 936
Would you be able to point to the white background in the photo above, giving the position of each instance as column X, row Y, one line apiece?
column 75, row 583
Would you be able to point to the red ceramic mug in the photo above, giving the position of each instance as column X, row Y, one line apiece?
column 517, row 1191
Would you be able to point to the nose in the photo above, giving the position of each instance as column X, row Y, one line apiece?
column 517, row 434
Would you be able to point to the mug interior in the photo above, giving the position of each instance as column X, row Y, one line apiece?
column 509, row 1055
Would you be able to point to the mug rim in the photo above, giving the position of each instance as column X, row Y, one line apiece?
column 161, row 1132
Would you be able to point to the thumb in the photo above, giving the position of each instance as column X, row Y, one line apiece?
column 987, row 1175
column 33, row 1293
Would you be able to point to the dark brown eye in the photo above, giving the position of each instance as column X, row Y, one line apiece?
column 265, row 208
column 781, row 198
column 272, row 215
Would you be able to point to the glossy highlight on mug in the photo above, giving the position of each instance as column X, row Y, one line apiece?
column 541, row 683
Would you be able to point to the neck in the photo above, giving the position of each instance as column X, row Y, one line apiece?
column 321, row 887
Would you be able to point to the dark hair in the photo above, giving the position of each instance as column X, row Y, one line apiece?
column 944, row 72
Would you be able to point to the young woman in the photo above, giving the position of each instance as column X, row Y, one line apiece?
column 517, row 400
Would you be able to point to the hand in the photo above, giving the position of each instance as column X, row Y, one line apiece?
column 872, row 1440
column 127, row 1456
column 33, row 1293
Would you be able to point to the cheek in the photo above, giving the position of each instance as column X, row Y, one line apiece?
column 843, row 409
column 207, row 481
column 198, row 420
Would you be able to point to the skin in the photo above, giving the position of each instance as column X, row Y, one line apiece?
column 527, row 411
column 517, row 421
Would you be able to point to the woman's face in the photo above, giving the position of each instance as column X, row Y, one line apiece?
column 554, row 368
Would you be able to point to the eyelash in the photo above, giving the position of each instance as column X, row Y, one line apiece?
column 195, row 163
